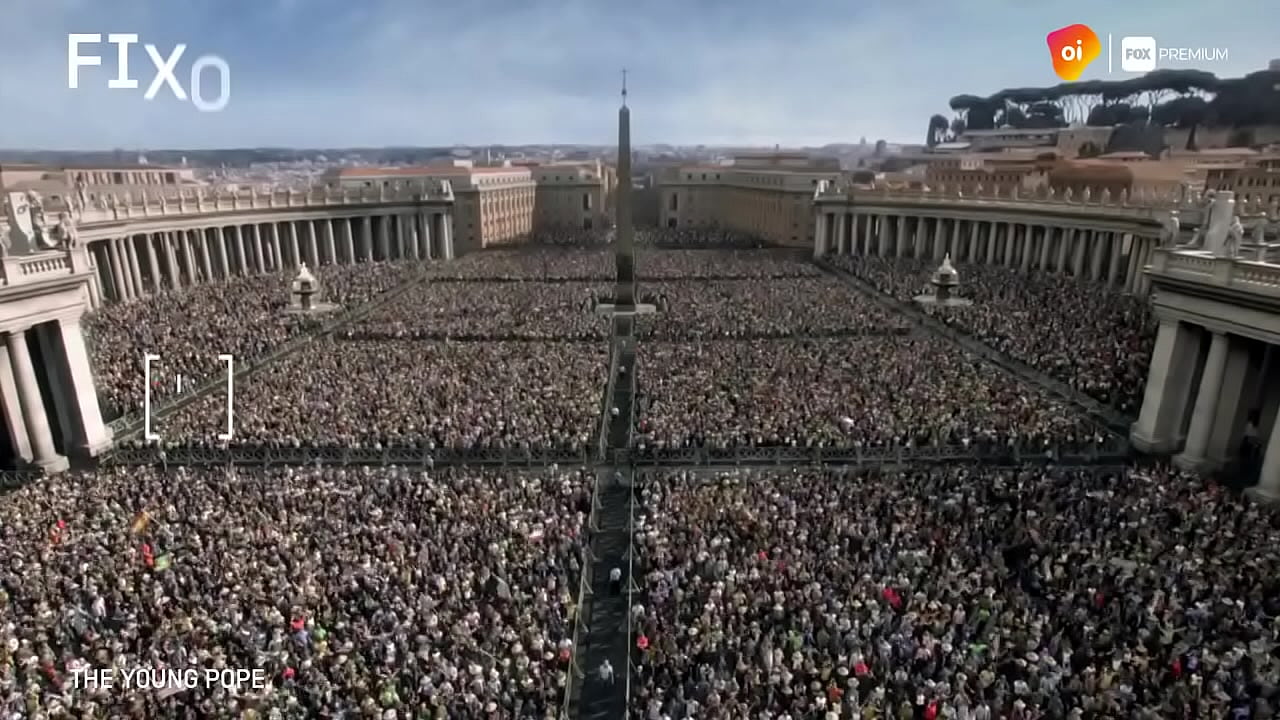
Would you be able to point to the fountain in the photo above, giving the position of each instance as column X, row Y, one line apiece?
column 945, row 282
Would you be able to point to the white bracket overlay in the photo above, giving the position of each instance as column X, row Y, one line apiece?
column 231, row 407
column 146, row 397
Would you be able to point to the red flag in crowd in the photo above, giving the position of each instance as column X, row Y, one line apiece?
column 642, row 642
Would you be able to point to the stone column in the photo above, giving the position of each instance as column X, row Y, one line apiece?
column 221, row 240
column 1116, row 243
column 126, row 273
column 882, row 236
column 118, row 289
column 1077, row 253
column 171, row 256
column 900, row 238
column 1064, row 245
column 1046, row 248
column 1131, row 268
column 348, row 240
column 989, row 239
column 44, row 455
column 384, row 243
column 1268, row 487
column 202, row 236
column 424, row 234
column 135, row 268
column 973, row 241
column 820, row 235
column 237, row 239
column 153, row 263
column 1169, row 381
column 273, row 237
column 255, row 235
column 366, row 238
column 446, row 235
column 93, row 435
column 295, row 255
column 939, row 240
column 841, row 226
column 1028, row 248
column 189, row 250
column 1099, row 247
column 329, row 245
column 1144, row 281
column 1194, row 454
column 58, row 382
column 1240, row 375
column 312, row 246
column 955, row 239
column 17, row 427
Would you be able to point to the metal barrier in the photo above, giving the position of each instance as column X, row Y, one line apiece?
column 632, row 589
column 1111, row 450
column 581, row 619
column 16, row 479
column 602, row 438
column 403, row 456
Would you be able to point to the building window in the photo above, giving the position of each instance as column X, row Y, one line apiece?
column 586, row 201
column 675, row 203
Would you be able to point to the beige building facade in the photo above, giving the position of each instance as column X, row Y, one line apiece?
column 572, row 195
column 493, row 206
column 1256, row 180
column 96, row 180
column 769, row 195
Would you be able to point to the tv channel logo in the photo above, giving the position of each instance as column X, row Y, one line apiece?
column 165, row 69
column 1138, row 54
column 1072, row 48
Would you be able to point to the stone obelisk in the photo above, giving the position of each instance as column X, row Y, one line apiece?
column 624, row 233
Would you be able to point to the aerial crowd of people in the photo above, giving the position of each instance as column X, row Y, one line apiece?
column 356, row 593
column 1095, row 339
column 871, row 392
column 191, row 326
column 918, row 593
column 953, row 593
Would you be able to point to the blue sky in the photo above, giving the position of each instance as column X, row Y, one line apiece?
column 308, row 73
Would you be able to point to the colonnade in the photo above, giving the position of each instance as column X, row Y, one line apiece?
column 1101, row 255
column 135, row 264
column 64, row 377
column 1208, row 392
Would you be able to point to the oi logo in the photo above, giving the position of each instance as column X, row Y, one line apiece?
column 1072, row 48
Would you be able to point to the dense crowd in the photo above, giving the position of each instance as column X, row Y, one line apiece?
column 1094, row 339
column 702, row 237
column 357, row 593
column 525, row 310
column 956, row 594
column 570, row 237
column 884, row 391
column 558, row 264
column 191, row 326
column 794, row 307
column 546, row 263
column 408, row 393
